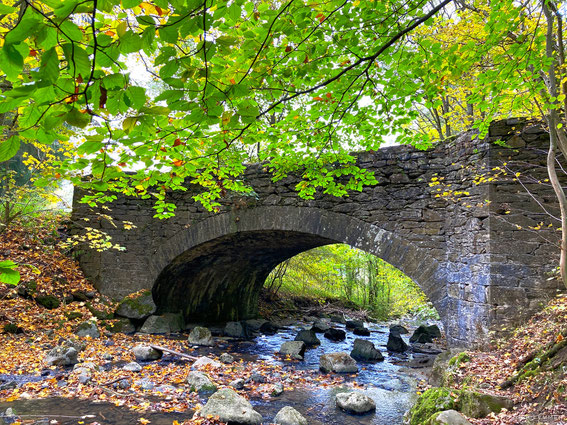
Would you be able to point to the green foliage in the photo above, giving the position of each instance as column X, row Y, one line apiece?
column 430, row 402
column 8, row 273
column 367, row 281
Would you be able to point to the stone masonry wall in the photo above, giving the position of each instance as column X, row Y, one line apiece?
column 461, row 229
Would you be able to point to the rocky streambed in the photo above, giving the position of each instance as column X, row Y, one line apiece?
column 270, row 381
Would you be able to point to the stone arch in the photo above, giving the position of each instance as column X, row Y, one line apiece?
column 215, row 268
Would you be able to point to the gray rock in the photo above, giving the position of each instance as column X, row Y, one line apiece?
column 337, row 318
column 206, row 361
column 365, row 350
column 355, row 402
column 138, row 306
column 441, row 367
column 80, row 367
column 293, row 349
column 145, row 384
column 255, row 324
column 353, row 324
column 362, row 331
column 166, row 323
column 337, row 362
column 84, row 377
column 396, row 343
column 230, row 407
column 132, row 367
column 320, row 326
column 237, row 384
column 226, row 358
column 124, row 384
column 88, row 329
column 399, row 329
column 200, row 382
column 122, row 325
column 478, row 405
column 308, row 337
column 236, row 330
column 200, row 336
column 289, row 416
column 62, row 356
column 257, row 377
column 448, row 417
column 278, row 390
column 145, row 353
column 335, row 334
column 269, row 328
column 166, row 389
column 425, row 334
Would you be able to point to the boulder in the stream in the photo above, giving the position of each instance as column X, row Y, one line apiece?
column 204, row 361
column 293, row 349
column 145, row 353
column 136, row 306
column 396, row 343
column 62, row 356
column 366, row 351
column 230, row 407
column 277, row 390
column 200, row 336
column 289, row 416
column 320, row 326
column 88, row 329
column 337, row 362
column 166, row 323
column 226, row 358
column 237, row 330
column 237, row 384
column 200, row 382
column 308, row 337
column 132, row 367
column 335, row 334
column 355, row 402
column 268, row 328
column 425, row 334
column 353, row 324
column 361, row 331
column 399, row 329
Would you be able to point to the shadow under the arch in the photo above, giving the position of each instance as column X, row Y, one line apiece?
column 215, row 269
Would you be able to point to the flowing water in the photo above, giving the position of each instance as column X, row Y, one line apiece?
column 390, row 383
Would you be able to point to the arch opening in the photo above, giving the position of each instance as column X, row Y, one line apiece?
column 214, row 271
column 353, row 278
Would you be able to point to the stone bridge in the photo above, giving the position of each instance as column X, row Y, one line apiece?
column 475, row 249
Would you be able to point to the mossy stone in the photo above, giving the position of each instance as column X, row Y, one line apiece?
column 139, row 306
column 432, row 401
column 121, row 325
column 99, row 314
column 12, row 328
column 72, row 315
column 477, row 405
column 459, row 359
column 48, row 301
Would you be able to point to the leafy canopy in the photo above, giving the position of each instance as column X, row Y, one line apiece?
column 298, row 83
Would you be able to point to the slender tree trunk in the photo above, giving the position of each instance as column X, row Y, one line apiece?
column 557, row 137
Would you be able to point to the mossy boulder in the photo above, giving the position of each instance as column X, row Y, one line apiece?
column 459, row 359
column 12, row 328
column 48, row 301
column 432, row 401
column 121, row 325
column 166, row 323
column 443, row 367
column 99, row 314
column 72, row 315
column 478, row 405
column 137, row 306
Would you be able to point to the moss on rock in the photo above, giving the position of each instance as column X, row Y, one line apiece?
column 137, row 306
column 432, row 401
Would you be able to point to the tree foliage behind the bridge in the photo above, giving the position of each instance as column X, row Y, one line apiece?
column 341, row 272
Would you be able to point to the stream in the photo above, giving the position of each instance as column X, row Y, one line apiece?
column 391, row 383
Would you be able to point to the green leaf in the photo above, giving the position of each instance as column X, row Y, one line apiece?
column 9, row 148
column 77, row 119
column 137, row 96
column 129, row 124
column 8, row 273
column 89, row 147
column 49, row 68
column 5, row 9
